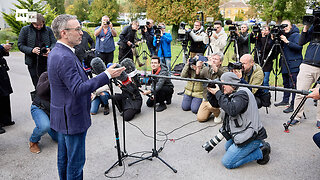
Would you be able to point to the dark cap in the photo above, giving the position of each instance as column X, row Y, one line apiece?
column 218, row 22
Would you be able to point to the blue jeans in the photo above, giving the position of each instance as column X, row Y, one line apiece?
column 102, row 99
column 71, row 155
column 167, row 62
column 42, row 122
column 191, row 103
column 266, row 81
column 236, row 156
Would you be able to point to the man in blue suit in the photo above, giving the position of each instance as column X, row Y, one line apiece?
column 70, row 96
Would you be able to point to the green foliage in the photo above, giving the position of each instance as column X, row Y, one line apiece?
column 100, row 8
column 45, row 10
column 58, row 4
column 278, row 10
column 80, row 8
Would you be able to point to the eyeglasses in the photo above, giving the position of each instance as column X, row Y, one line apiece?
column 78, row 29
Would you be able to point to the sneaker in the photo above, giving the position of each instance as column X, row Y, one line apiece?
column 266, row 149
column 289, row 109
column 34, row 147
column 180, row 93
column 2, row 130
column 218, row 119
column 282, row 103
column 168, row 102
column 315, row 102
column 318, row 124
column 294, row 122
column 161, row 107
column 106, row 110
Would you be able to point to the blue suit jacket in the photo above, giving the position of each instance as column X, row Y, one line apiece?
column 70, row 91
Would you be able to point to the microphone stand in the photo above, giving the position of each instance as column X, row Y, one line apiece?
column 155, row 152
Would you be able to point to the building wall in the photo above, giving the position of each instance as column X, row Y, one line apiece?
column 232, row 12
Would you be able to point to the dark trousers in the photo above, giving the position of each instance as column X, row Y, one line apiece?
column 36, row 70
column 287, row 83
column 316, row 139
column 125, row 52
column 128, row 113
column 5, row 111
column 71, row 155
column 106, row 57
column 164, row 94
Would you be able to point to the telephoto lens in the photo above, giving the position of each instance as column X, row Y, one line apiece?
column 208, row 146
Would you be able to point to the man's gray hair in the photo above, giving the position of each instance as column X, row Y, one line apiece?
column 60, row 23
column 218, row 54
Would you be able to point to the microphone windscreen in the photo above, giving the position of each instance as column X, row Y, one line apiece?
column 129, row 65
column 98, row 65
column 123, row 76
column 228, row 22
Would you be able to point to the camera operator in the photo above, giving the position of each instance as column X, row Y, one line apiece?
column 309, row 68
column 193, row 92
column 5, row 89
column 126, row 40
column 197, row 35
column 148, row 34
column 164, row 87
column 213, row 71
column 243, row 40
column 252, row 73
column 264, row 44
column 242, row 122
column 35, row 41
column 218, row 39
column 164, row 46
column 104, row 40
column 293, row 55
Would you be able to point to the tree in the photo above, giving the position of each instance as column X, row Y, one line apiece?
column 100, row 8
column 80, row 8
column 58, row 4
column 279, row 10
column 38, row 7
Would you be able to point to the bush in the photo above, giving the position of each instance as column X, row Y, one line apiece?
column 7, row 35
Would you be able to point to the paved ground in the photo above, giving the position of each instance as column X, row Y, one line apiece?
column 293, row 156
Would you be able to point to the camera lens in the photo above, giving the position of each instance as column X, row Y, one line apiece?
column 208, row 146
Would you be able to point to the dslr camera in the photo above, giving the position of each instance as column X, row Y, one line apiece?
column 194, row 60
column 234, row 65
column 43, row 49
column 208, row 146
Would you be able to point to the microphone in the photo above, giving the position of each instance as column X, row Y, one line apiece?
column 98, row 65
column 228, row 22
column 130, row 67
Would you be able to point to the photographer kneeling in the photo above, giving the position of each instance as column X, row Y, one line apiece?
column 242, row 122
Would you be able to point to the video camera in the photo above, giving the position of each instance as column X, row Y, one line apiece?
column 235, row 65
column 157, row 32
column 183, row 34
column 210, row 24
column 278, row 30
column 232, row 27
column 256, row 28
column 313, row 19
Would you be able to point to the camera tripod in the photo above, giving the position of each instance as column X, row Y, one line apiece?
column 121, row 154
column 276, row 47
column 155, row 152
column 294, row 114
column 185, row 55
column 233, row 38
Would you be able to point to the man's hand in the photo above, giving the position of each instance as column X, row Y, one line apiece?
column 238, row 72
column 214, row 90
column 146, row 92
column 284, row 39
column 7, row 47
column 214, row 67
column 305, row 28
column 129, row 43
column 115, row 72
column 315, row 94
column 46, row 54
column 199, row 64
column 110, row 25
column 36, row 50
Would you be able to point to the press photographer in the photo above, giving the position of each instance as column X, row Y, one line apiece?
column 216, row 40
column 35, row 41
column 293, row 58
column 148, row 33
column 126, row 40
column 243, row 41
column 242, row 122
column 310, row 67
column 162, row 41
column 197, row 35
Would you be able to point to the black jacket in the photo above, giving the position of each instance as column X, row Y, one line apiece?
column 27, row 41
column 5, row 85
column 80, row 50
column 263, row 46
column 160, row 82
column 243, row 43
column 126, row 35
column 312, row 56
column 148, row 36
column 42, row 95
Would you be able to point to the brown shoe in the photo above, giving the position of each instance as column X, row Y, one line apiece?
column 34, row 147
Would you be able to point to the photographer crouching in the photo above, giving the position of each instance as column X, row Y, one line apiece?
column 242, row 122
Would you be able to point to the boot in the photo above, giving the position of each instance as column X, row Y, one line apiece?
column 266, row 149
column 34, row 147
column 289, row 109
column 106, row 110
column 162, row 106
column 2, row 130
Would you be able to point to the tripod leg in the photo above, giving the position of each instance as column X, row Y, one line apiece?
column 174, row 170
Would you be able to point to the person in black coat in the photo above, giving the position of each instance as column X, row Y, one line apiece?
column 126, row 41
column 5, row 89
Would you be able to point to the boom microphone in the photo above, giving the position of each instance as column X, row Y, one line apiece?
column 130, row 67
column 98, row 65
